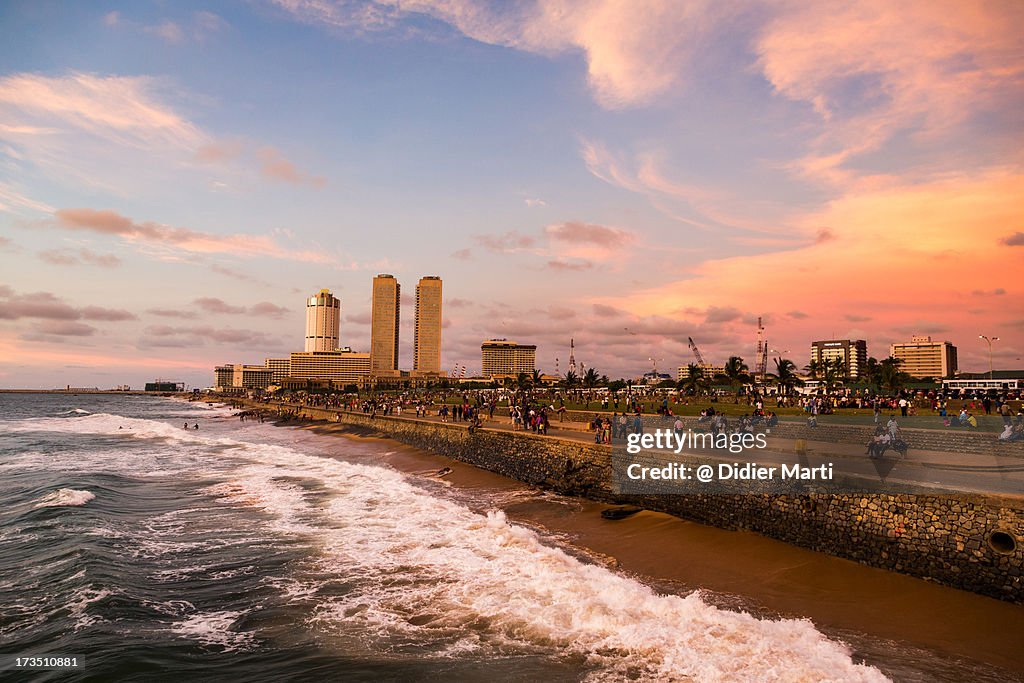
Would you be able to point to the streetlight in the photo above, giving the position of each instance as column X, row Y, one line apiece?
column 981, row 336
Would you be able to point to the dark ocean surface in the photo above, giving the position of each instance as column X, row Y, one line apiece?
column 259, row 554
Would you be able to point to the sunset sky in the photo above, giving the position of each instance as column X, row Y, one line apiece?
column 175, row 178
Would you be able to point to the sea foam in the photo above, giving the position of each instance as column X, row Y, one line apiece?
column 65, row 498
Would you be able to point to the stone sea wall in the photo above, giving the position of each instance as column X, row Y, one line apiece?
column 973, row 542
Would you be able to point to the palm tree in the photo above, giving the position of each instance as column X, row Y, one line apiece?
column 814, row 368
column 570, row 380
column 785, row 373
column 737, row 372
column 535, row 378
column 892, row 377
column 872, row 373
column 523, row 381
column 695, row 381
column 833, row 372
column 591, row 378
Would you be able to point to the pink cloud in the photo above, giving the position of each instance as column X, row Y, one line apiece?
column 112, row 223
column 560, row 264
column 506, row 243
column 275, row 167
column 632, row 52
column 64, row 328
column 68, row 257
column 122, row 107
column 922, row 65
column 215, row 305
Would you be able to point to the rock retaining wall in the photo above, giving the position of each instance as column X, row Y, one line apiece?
column 973, row 542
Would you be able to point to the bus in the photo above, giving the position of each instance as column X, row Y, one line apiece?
column 973, row 386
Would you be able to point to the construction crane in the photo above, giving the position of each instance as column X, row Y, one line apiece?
column 696, row 353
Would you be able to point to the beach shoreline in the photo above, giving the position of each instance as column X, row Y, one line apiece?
column 743, row 570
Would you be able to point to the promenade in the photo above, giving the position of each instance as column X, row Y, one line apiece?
column 943, row 471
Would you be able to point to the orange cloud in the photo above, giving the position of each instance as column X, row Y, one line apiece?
column 896, row 255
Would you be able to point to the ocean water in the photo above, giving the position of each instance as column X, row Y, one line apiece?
column 229, row 553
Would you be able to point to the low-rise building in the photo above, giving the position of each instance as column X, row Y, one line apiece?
column 237, row 376
column 343, row 366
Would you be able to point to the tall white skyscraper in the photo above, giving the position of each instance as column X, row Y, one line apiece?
column 323, row 321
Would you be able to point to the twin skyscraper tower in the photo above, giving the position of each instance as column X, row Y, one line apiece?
column 323, row 325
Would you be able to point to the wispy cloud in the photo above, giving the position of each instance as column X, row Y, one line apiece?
column 873, row 70
column 268, row 160
column 106, row 222
column 47, row 306
column 510, row 242
column 15, row 199
column 633, row 51
column 273, row 165
column 562, row 264
column 198, row 28
column 77, row 257
column 122, row 108
column 191, row 336
column 263, row 309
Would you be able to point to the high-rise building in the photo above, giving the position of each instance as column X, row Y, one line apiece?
column 385, row 312
column 852, row 352
column 323, row 317
column 503, row 357
column 923, row 357
column 427, row 344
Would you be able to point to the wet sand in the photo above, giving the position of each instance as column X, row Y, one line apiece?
column 882, row 615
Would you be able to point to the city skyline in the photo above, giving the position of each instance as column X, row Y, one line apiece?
column 174, row 178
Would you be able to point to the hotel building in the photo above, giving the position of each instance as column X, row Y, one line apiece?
column 342, row 366
column 427, row 343
column 852, row 352
column 503, row 357
column 923, row 357
column 238, row 376
column 323, row 317
column 710, row 371
column 279, row 368
column 385, row 312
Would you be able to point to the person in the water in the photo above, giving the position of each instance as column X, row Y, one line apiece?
column 195, row 427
